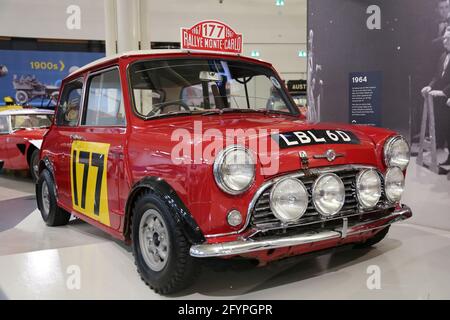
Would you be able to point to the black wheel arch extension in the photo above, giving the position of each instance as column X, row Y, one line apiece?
column 45, row 163
column 181, row 214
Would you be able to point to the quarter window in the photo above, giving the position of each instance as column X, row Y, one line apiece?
column 69, row 105
column 105, row 105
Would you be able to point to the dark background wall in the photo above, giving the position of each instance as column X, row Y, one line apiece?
column 402, row 50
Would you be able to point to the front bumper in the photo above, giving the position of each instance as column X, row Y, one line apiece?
column 247, row 246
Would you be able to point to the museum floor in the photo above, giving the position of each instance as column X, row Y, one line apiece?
column 413, row 261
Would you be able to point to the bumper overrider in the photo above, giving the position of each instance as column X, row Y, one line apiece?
column 345, row 231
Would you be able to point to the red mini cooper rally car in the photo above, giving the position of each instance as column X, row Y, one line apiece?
column 187, row 156
column 21, row 134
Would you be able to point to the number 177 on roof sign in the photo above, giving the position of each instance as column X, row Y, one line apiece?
column 214, row 36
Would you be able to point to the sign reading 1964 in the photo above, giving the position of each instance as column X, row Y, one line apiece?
column 362, row 79
column 365, row 98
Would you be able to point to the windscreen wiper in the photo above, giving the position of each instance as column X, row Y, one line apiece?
column 170, row 114
column 229, row 110
column 232, row 110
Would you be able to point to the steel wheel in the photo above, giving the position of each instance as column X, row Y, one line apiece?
column 154, row 240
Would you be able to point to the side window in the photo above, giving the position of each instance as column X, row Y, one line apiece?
column 69, row 106
column 105, row 105
column 4, row 124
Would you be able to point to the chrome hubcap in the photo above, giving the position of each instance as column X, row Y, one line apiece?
column 154, row 240
column 45, row 198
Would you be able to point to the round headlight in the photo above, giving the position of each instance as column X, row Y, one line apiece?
column 289, row 200
column 368, row 188
column 394, row 184
column 328, row 194
column 234, row 170
column 396, row 152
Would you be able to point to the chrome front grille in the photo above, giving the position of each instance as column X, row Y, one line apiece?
column 262, row 217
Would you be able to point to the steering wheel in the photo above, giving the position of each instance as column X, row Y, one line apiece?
column 167, row 104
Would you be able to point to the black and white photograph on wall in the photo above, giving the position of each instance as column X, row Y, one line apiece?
column 393, row 57
column 315, row 83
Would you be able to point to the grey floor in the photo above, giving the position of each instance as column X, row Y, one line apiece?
column 413, row 262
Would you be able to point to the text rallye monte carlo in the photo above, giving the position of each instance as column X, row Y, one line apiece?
column 141, row 148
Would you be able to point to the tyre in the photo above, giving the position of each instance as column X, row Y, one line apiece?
column 160, row 249
column 374, row 240
column 21, row 97
column 46, row 198
column 34, row 165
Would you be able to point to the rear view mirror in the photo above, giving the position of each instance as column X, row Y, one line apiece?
column 210, row 76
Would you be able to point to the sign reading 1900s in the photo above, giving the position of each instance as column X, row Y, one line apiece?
column 211, row 36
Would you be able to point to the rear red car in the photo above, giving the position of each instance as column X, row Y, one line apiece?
column 187, row 156
column 21, row 134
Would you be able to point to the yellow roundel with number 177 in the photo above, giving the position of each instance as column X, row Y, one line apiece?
column 88, row 166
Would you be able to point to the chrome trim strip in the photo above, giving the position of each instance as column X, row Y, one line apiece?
column 271, row 182
column 246, row 246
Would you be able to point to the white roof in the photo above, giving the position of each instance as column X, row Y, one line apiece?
column 126, row 54
column 141, row 53
column 25, row 111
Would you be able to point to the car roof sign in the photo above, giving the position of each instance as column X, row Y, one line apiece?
column 211, row 36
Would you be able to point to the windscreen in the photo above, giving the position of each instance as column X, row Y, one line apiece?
column 27, row 121
column 196, row 86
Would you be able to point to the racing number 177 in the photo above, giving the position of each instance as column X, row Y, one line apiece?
column 88, row 179
column 96, row 161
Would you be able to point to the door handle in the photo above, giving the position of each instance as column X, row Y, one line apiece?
column 76, row 137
